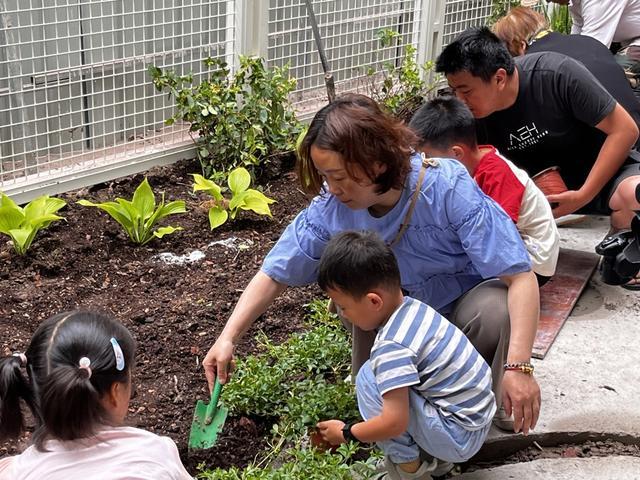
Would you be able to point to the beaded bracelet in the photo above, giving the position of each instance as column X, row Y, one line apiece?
column 524, row 367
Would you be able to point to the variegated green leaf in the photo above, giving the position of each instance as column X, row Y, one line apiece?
column 217, row 216
column 239, row 180
column 143, row 200
column 206, row 185
column 257, row 202
column 11, row 217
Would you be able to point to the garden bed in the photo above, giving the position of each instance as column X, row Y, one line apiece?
column 174, row 311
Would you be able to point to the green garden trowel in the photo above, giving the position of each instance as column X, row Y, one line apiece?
column 208, row 421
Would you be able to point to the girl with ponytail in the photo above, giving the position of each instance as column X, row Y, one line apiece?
column 75, row 377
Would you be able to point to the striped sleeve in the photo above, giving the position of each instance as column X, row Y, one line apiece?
column 394, row 366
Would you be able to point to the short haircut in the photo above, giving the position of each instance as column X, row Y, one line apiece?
column 443, row 122
column 477, row 51
column 357, row 129
column 357, row 263
column 64, row 398
column 520, row 25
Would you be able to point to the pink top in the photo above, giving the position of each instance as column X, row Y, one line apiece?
column 116, row 453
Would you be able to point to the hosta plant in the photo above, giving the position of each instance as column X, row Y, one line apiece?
column 141, row 215
column 22, row 224
column 242, row 197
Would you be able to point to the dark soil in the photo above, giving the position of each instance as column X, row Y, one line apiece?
column 174, row 312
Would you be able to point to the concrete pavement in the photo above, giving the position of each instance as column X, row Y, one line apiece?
column 590, row 381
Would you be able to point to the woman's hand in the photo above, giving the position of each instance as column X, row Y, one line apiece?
column 331, row 431
column 521, row 395
column 255, row 299
column 219, row 362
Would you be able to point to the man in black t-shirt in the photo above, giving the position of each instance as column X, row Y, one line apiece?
column 546, row 109
column 598, row 60
column 524, row 30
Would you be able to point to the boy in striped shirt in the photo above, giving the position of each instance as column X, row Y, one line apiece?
column 425, row 387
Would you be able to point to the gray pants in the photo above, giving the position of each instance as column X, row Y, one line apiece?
column 481, row 314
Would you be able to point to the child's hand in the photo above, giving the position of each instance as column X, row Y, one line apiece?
column 331, row 431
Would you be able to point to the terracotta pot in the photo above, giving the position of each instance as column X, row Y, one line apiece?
column 550, row 181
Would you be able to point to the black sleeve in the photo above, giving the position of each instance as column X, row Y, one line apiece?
column 583, row 96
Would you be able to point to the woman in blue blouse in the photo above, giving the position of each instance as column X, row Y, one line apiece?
column 457, row 250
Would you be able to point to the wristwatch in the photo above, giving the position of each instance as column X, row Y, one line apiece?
column 347, row 434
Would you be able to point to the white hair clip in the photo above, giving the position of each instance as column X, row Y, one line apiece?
column 85, row 364
column 22, row 357
column 118, row 353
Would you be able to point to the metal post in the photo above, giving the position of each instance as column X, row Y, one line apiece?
column 230, row 56
column 15, row 86
column 431, row 32
column 328, row 76
column 253, row 27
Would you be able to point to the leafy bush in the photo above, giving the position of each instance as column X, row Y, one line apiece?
column 560, row 19
column 270, row 384
column 300, row 381
column 22, row 224
column 304, row 463
column 240, row 119
column 140, row 215
column 500, row 8
column 243, row 197
column 399, row 88
column 314, row 400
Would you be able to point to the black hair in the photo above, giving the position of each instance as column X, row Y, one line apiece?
column 64, row 398
column 478, row 51
column 356, row 263
column 443, row 122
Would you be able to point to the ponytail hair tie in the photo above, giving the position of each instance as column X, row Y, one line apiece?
column 22, row 357
column 84, row 364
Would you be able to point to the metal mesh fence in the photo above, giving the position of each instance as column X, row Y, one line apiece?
column 74, row 88
column 462, row 14
column 350, row 31
column 76, row 98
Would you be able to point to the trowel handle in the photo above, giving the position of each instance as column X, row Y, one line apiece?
column 213, row 404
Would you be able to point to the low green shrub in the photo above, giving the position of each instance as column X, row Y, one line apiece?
column 304, row 463
column 400, row 88
column 240, row 120
column 298, row 383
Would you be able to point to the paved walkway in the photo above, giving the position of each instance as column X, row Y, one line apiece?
column 600, row 468
column 590, row 379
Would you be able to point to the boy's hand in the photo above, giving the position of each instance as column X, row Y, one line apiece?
column 331, row 431
column 567, row 202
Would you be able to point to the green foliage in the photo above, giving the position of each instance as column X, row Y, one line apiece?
column 22, row 224
column 299, row 381
column 560, row 19
column 400, row 88
column 313, row 400
column 140, row 215
column 242, row 197
column 500, row 8
column 303, row 463
column 241, row 119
